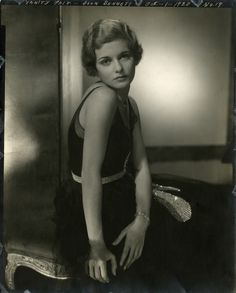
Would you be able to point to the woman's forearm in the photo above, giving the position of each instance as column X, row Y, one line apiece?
column 92, row 204
column 143, row 190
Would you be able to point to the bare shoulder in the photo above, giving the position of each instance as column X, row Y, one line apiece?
column 102, row 98
column 98, row 110
column 104, row 95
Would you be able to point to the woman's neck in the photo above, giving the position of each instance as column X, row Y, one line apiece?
column 123, row 94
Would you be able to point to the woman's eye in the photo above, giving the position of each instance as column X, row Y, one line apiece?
column 105, row 62
column 125, row 56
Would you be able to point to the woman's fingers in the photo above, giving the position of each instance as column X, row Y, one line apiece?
column 124, row 254
column 113, row 265
column 130, row 258
column 103, row 272
column 140, row 250
column 91, row 270
column 96, row 266
column 137, row 254
column 97, row 272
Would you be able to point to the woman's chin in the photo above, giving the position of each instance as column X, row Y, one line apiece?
column 120, row 85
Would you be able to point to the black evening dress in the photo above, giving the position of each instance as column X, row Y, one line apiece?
column 118, row 200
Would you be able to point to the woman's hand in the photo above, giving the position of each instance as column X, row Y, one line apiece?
column 96, row 266
column 134, row 242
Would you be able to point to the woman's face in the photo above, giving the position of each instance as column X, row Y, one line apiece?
column 115, row 64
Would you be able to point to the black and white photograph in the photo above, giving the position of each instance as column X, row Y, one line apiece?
column 118, row 166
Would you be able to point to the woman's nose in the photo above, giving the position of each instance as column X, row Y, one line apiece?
column 118, row 66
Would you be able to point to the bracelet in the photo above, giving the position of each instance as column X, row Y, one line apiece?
column 142, row 214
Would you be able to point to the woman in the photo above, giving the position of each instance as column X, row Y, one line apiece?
column 106, row 216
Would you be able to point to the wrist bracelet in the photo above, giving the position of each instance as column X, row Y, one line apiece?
column 142, row 214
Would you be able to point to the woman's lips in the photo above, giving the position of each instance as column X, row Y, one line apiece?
column 121, row 77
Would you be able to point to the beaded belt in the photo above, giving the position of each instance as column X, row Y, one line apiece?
column 105, row 180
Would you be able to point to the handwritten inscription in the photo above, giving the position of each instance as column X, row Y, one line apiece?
column 37, row 2
column 116, row 3
column 90, row 3
column 47, row 2
column 159, row 3
column 167, row 4
column 125, row 3
column 209, row 4
column 61, row 2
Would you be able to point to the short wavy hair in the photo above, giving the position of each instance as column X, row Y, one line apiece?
column 104, row 31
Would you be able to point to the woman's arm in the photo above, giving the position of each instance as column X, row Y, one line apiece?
column 135, row 232
column 143, row 177
column 99, row 112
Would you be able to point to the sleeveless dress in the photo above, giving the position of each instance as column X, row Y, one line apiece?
column 118, row 210
column 118, row 199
